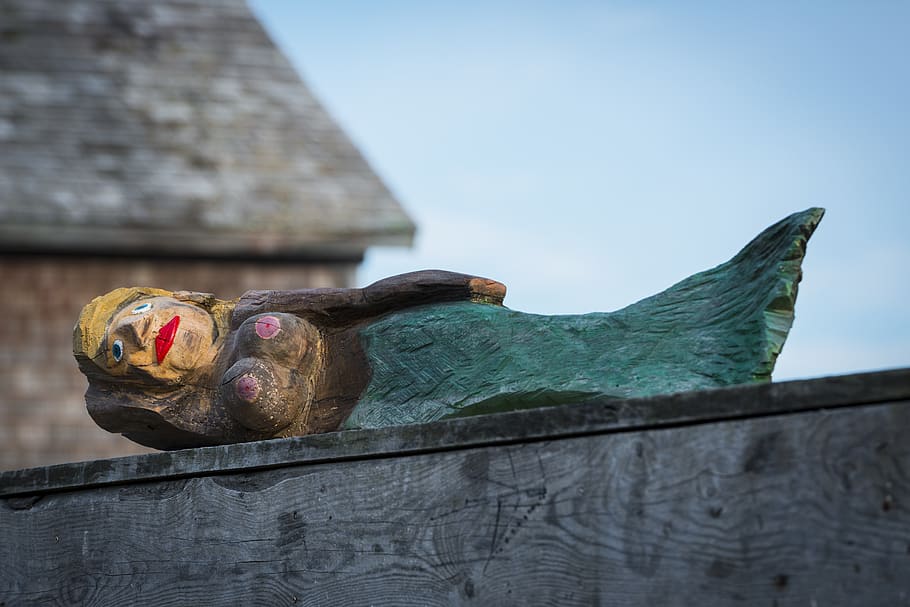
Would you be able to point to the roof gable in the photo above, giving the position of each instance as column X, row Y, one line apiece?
column 176, row 124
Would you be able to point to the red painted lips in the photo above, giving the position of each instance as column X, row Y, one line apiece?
column 165, row 338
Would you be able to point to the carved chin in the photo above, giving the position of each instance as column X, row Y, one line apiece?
column 149, row 425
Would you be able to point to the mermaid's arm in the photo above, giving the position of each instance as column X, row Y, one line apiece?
column 343, row 307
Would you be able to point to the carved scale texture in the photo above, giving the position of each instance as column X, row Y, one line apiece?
column 721, row 327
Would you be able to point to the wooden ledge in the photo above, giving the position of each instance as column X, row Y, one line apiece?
column 598, row 417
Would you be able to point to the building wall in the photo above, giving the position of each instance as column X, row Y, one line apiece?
column 42, row 413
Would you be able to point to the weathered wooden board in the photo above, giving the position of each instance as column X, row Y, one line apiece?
column 504, row 428
column 786, row 508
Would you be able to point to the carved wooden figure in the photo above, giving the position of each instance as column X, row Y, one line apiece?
column 173, row 370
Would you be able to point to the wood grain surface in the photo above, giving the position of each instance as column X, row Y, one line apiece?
column 595, row 417
column 721, row 327
column 422, row 347
column 797, row 509
column 345, row 307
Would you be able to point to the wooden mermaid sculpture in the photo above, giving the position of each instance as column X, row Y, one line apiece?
column 174, row 370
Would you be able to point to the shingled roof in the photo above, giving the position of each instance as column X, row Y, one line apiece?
column 174, row 127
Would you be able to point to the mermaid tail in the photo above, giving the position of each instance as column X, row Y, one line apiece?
column 729, row 323
column 721, row 327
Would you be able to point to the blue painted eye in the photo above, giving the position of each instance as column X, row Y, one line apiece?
column 143, row 307
column 117, row 350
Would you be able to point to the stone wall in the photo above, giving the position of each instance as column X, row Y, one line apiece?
column 42, row 413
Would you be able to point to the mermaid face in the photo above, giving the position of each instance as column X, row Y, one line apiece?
column 159, row 337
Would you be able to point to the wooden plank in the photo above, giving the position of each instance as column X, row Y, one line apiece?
column 504, row 428
column 589, row 418
column 799, row 509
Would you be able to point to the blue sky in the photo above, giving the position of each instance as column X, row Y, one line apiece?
column 589, row 154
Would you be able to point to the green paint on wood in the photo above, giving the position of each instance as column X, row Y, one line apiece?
column 721, row 327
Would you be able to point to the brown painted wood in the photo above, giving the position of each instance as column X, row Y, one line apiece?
column 243, row 387
column 344, row 307
column 798, row 509
column 341, row 381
